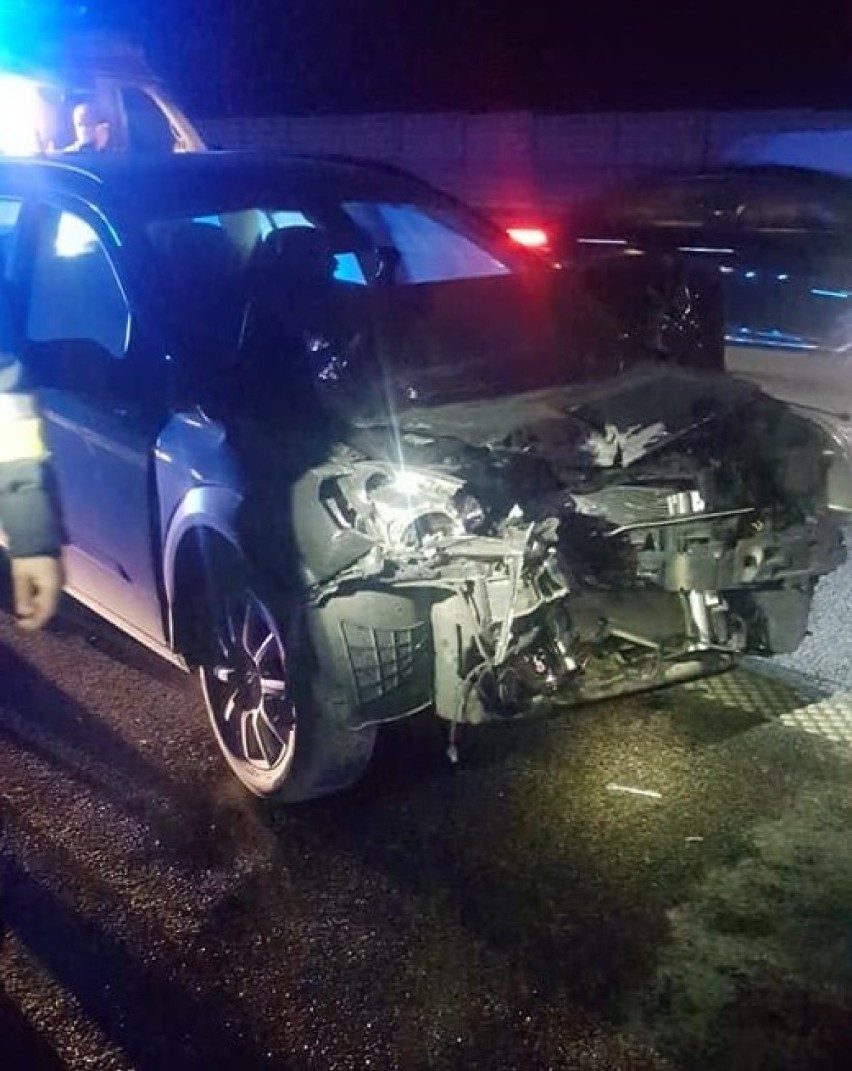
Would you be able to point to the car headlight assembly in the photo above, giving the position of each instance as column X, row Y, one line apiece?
column 410, row 509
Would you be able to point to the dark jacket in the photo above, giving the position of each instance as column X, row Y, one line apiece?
column 28, row 515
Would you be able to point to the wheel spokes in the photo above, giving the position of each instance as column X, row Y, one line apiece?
column 263, row 650
column 230, row 706
column 265, row 720
column 245, row 630
column 274, row 689
column 251, row 701
column 245, row 734
column 232, row 609
column 260, row 738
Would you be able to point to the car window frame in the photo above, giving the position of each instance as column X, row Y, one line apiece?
column 41, row 206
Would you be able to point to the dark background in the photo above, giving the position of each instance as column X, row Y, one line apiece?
column 255, row 57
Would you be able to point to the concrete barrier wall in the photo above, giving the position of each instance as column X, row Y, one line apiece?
column 519, row 158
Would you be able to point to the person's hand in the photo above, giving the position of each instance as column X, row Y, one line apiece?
column 36, row 587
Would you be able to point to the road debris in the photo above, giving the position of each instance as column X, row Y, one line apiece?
column 648, row 793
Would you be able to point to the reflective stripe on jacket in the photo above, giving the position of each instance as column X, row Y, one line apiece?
column 21, row 436
column 28, row 513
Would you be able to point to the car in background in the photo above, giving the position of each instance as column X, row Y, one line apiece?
column 779, row 237
column 773, row 224
column 344, row 451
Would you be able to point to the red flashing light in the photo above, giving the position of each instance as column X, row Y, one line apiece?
column 531, row 237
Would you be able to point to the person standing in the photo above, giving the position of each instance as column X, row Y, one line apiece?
column 29, row 519
column 29, row 514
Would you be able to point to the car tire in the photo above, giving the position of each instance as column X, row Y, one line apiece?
column 279, row 731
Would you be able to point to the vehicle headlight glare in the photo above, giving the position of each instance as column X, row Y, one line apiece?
column 407, row 482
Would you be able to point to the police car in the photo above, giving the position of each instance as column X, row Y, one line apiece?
column 55, row 67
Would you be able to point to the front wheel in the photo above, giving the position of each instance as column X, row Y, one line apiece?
column 277, row 733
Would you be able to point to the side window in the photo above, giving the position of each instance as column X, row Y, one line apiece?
column 347, row 268
column 75, row 294
column 10, row 211
column 706, row 203
column 148, row 127
column 781, row 210
column 665, row 206
column 428, row 249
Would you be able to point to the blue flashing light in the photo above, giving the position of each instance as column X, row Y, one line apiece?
column 26, row 19
column 751, row 275
column 31, row 30
column 54, row 12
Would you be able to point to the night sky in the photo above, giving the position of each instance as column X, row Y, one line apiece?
column 259, row 57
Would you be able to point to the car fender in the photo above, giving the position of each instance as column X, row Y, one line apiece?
column 197, row 485
column 211, row 507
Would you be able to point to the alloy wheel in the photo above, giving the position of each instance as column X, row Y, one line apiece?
column 248, row 693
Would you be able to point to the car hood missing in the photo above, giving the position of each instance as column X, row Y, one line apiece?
column 370, row 353
column 574, row 429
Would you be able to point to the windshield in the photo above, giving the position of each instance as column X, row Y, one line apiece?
column 382, row 295
column 375, row 266
column 367, row 242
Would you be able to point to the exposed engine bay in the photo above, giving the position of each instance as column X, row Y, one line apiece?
column 494, row 556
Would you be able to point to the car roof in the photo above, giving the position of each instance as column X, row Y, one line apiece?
column 804, row 178
column 161, row 185
column 827, row 151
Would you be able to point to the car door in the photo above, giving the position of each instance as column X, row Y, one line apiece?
column 71, row 459
column 101, row 420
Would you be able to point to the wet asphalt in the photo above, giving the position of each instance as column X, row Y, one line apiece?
column 658, row 882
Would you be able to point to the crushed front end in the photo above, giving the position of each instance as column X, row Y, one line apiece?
column 557, row 561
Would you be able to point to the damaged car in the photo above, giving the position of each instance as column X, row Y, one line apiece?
column 342, row 449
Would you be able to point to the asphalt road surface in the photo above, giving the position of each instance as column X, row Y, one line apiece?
column 660, row 882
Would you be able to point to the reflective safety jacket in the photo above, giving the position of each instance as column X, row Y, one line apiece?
column 28, row 515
